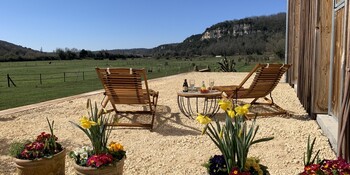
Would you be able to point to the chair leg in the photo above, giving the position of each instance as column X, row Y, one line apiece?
column 104, row 102
column 147, row 125
column 279, row 110
column 152, row 122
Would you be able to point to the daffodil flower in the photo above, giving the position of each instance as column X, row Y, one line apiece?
column 202, row 119
column 242, row 110
column 86, row 123
column 231, row 113
column 225, row 104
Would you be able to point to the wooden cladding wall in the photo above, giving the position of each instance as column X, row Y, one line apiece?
column 337, row 61
column 320, row 62
column 293, row 39
column 344, row 120
column 309, row 43
column 322, row 56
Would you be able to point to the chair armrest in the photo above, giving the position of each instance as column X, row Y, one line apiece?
column 151, row 92
column 225, row 88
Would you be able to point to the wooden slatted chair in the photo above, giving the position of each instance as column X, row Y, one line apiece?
column 124, row 86
column 267, row 76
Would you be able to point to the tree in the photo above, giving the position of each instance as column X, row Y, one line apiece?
column 83, row 53
column 61, row 54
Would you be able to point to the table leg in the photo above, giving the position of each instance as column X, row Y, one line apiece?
column 185, row 106
column 181, row 104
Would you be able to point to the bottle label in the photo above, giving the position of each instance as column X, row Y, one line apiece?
column 185, row 89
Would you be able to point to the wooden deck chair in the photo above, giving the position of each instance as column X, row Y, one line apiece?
column 124, row 86
column 267, row 76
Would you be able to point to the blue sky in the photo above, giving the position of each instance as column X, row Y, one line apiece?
column 118, row 24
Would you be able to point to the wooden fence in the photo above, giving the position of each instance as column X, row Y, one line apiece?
column 14, row 79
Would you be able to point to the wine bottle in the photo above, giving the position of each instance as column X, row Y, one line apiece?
column 203, row 86
column 185, row 86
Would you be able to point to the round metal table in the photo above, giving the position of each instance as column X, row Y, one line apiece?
column 193, row 102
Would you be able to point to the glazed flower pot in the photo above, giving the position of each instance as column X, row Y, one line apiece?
column 105, row 170
column 43, row 166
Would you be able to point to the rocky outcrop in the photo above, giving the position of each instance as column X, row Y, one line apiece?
column 235, row 30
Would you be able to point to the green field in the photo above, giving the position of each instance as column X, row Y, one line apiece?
column 38, row 81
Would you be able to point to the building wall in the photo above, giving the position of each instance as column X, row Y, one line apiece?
column 316, row 70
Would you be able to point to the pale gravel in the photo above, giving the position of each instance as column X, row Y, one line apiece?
column 176, row 145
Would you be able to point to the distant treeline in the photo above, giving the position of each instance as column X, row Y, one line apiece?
column 67, row 54
column 71, row 54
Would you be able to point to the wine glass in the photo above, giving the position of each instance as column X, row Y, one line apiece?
column 211, row 83
column 192, row 82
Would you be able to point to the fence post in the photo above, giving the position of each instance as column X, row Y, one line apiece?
column 40, row 80
column 64, row 76
column 10, row 80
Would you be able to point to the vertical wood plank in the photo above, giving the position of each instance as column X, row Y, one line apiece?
column 322, row 56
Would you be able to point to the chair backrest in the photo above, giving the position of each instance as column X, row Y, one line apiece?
column 267, row 76
column 124, row 85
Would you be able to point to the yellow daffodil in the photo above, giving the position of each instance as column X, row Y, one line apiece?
column 242, row 110
column 202, row 119
column 86, row 123
column 225, row 104
column 231, row 113
column 114, row 147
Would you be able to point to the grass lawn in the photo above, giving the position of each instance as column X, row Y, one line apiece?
column 65, row 78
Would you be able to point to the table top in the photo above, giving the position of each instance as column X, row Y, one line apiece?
column 211, row 93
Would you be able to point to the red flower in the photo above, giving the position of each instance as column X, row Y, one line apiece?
column 328, row 167
column 35, row 146
column 33, row 150
column 235, row 171
column 99, row 160
column 44, row 136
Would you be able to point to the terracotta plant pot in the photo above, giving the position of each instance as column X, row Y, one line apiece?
column 43, row 166
column 106, row 170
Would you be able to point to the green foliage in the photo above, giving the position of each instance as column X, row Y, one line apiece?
column 51, row 144
column 99, row 132
column 227, row 65
column 236, row 141
column 17, row 147
column 235, row 137
column 308, row 160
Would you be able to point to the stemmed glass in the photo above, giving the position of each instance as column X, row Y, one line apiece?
column 192, row 82
column 211, row 83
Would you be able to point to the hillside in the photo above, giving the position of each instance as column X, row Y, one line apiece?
column 259, row 35
column 13, row 52
column 253, row 35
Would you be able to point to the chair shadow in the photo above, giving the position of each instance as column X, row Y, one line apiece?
column 7, row 118
column 7, row 164
column 4, row 146
column 166, row 122
column 266, row 108
column 289, row 115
